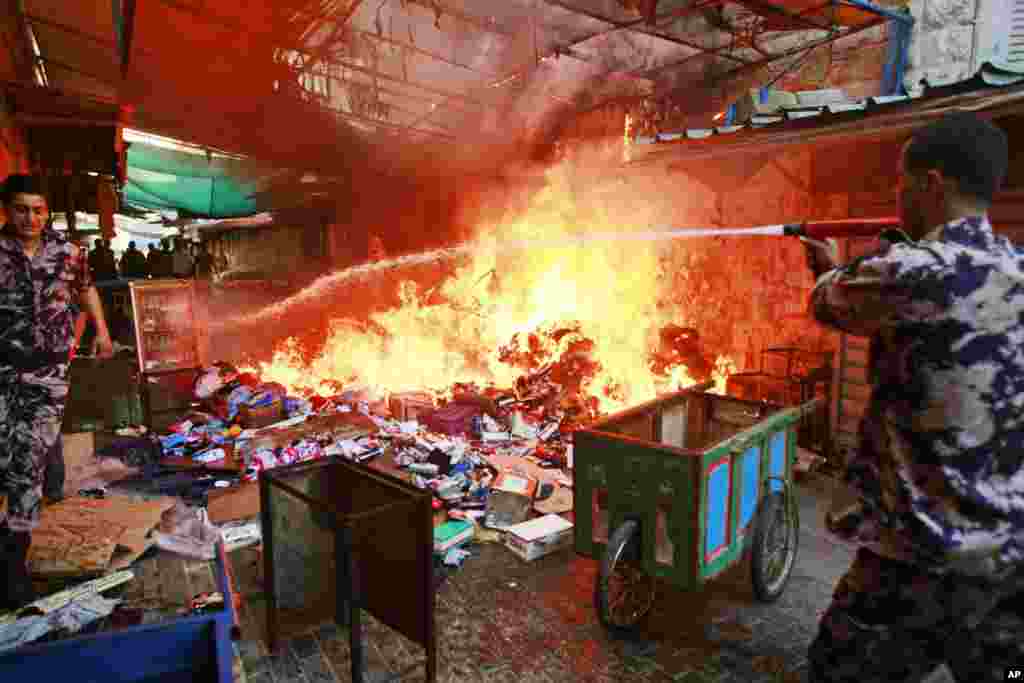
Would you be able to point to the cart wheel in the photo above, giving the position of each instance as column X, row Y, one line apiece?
column 624, row 593
column 774, row 550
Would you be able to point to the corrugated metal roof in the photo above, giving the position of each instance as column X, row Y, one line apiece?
column 993, row 86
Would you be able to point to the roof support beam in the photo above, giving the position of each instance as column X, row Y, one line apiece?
column 74, row 69
column 635, row 26
column 653, row 72
column 404, row 95
column 481, row 24
column 336, row 31
column 566, row 49
column 420, row 51
column 15, row 31
column 746, row 67
column 71, row 30
column 382, row 124
column 412, row 84
column 764, row 8
column 388, row 124
column 124, row 27
column 804, row 48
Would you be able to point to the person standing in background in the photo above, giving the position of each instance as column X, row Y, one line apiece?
column 152, row 258
column 204, row 261
column 107, row 261
column 96, row 259
column 166, row 258
column 133, row 263
column 182, row 266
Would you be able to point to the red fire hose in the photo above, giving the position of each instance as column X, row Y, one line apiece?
column 846, row 227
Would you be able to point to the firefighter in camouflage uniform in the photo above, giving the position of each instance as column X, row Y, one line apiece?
column 935, row 589
column 43, row 280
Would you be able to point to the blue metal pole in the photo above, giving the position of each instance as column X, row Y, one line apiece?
column 902, row 17
column 900, row 26
column 896, row 61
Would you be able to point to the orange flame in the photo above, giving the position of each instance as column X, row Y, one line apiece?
column 609, row 291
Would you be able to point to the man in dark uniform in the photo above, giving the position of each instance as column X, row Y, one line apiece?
column 939, row 470
column 153, row 261
column 43, row 278
column 101, row 261
column 133, row 263
column 165, row 258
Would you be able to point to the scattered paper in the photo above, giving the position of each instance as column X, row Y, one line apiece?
column 71, row 618
column 559, row 501
column 238, row 535
column 89, row 536
column 517, row 485
column 539, row 528
column 455, row 557
column 212, row 455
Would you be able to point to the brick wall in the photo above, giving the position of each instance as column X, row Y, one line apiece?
column 743, row 294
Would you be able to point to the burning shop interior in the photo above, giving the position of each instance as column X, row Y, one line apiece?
column 478, row 292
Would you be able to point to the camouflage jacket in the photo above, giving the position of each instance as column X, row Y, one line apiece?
column 939, row 463
column 39, row 299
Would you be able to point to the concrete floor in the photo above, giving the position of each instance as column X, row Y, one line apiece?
column 500, row 619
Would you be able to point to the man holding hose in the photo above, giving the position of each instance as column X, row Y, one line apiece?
column 939, row 469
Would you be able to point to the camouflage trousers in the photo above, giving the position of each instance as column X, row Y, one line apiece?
column 31, row 412
column 890, row 621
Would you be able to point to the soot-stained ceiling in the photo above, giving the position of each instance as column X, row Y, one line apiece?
column 328, row 83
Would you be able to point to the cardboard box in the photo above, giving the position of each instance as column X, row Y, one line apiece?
column 539, row 537
column 510, row 500
column 410, row 405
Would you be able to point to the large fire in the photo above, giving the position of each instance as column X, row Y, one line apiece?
column 593, row 315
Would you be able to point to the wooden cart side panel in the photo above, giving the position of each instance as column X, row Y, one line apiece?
column 641, row 427
column 588, row 477
column 750, row 486
column 614, row 423
column 696, row 521
column 774, row 454
column 676, row 488
column 714, row 560
column 698, row 411
column 635, row 477
column 673, row 425
column 717, row 482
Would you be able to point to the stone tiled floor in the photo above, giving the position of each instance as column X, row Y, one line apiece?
column 500, row 619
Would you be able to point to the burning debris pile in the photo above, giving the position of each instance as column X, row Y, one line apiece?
column 576, row 326
column 471, row 387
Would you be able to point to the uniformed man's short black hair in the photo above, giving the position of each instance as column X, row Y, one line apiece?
column 19, row 183
column 964, row 147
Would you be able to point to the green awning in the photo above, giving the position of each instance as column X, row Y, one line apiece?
column 213, row 186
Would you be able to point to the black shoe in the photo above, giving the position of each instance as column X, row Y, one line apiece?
column 16, row 589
